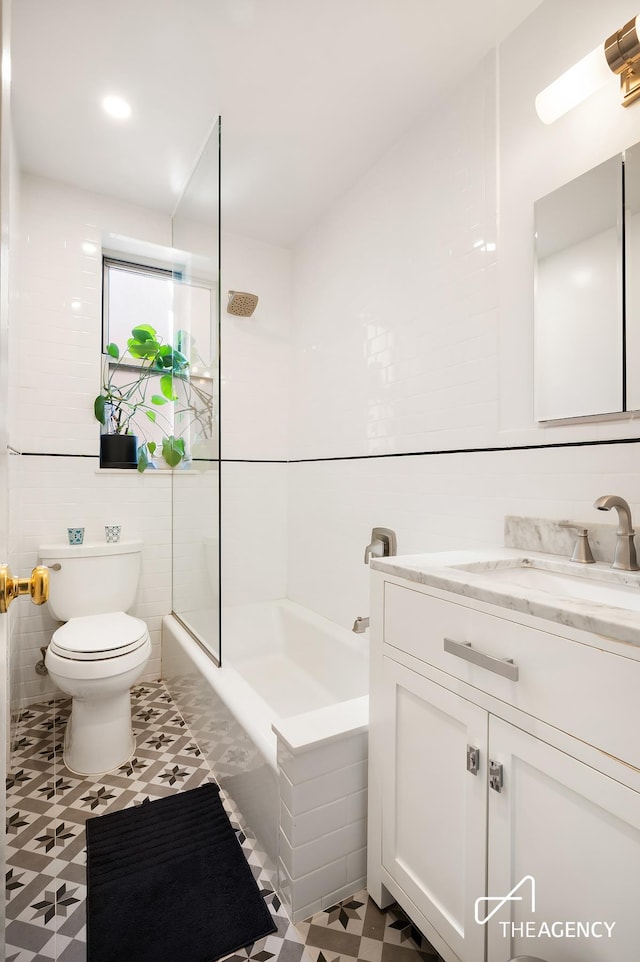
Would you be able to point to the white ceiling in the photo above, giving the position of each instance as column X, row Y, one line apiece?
column 311, row 92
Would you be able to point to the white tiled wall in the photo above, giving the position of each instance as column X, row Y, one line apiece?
column 255, row 351
column 10, row 514
column 56, row 331
column 253, row 532
column 195, row 550
column 395, row 295
column 412, row 326
column 323, row 824
column 60, row 310
column 255, row 417
column 56, row 342
column 433, row 503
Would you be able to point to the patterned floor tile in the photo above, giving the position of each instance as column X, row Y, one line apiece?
column 47, row 807
column 355, row 928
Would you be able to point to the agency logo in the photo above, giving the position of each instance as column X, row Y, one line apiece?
column 525, row 891
column 501, row 900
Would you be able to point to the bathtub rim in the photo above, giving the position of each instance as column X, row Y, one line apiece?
column 299, row 732
column 337, row 721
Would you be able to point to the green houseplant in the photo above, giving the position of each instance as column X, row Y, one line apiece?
column 132, row 392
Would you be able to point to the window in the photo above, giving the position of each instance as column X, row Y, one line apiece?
column 178, row 401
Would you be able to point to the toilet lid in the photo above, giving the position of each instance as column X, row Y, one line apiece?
column 99, row 636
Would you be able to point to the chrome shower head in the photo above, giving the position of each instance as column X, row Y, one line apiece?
column 241, row 304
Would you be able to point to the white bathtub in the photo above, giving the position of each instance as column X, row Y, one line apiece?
column 283, row 724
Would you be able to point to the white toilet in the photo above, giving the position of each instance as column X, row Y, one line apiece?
column 100, row 652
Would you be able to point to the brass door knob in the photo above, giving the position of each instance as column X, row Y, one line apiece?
column 37, row 586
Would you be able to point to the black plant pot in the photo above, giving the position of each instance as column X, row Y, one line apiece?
column 118, row 451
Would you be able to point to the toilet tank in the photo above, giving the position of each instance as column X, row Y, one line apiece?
column 92, row 578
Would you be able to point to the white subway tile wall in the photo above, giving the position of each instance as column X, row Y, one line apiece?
column 195, row 548
column 254, row 532
column 56, row 341
column 434, row 503
column 10, row 517
column 254, row 402
column 56, row 344
column 255, row 351
column 395, row 295
column 407, row 337
column 56, row 338
column 323, row 823
column 13, row 655
column 59, row 317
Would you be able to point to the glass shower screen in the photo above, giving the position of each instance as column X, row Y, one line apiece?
column 195, row 559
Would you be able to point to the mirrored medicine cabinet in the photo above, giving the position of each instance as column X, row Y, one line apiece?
column 587, row 293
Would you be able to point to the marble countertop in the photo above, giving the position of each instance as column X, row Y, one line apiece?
column 437, row 570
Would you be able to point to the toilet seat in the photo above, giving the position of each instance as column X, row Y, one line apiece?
column 99, row 637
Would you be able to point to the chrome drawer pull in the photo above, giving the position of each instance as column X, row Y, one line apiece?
column 501, row 666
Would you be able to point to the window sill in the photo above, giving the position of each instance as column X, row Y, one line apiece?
column 159, row 472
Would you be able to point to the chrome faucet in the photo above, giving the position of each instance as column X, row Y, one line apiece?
column 360, row 624
column 625, row 553
column 383, row 544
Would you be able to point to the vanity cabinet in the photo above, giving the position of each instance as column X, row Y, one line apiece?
column 576, row 831
column 432, row 807
column 478, row 786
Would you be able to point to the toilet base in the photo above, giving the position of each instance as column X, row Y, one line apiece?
column 98, row 738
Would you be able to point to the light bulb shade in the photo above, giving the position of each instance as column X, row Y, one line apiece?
column 579, row 82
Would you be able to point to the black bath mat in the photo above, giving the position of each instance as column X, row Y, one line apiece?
column 167, row 881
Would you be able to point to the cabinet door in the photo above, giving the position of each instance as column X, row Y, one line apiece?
column 433, row 808
column 576, row 833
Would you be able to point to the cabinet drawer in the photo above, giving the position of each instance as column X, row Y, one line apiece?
column 571, row 686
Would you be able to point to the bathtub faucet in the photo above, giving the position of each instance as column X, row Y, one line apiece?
column 360, row 625
column 383, row 544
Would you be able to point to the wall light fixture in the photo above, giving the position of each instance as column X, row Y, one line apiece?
column 619, row 54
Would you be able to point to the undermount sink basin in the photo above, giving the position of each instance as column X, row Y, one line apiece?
column 598, row 586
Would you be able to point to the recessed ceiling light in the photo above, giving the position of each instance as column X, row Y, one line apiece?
column 116, row 107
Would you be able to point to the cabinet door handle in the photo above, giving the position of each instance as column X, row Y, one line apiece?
column 500, row 666
column 473, row 759
column 496, row 776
